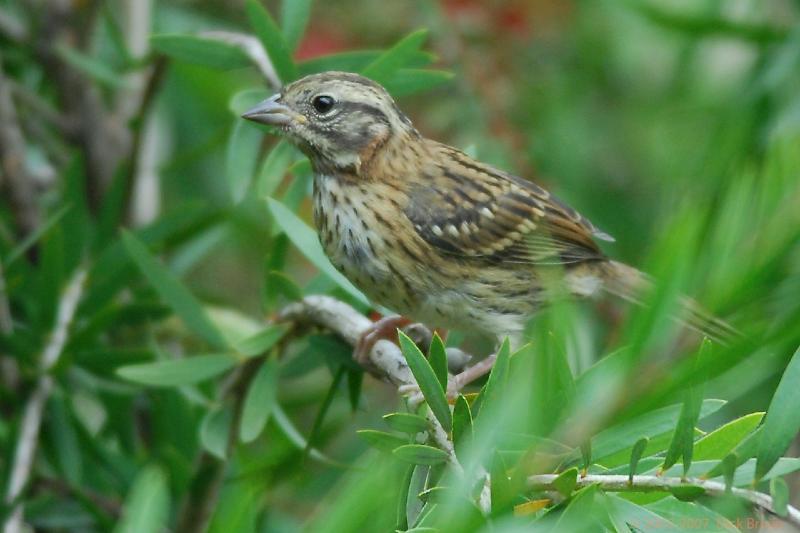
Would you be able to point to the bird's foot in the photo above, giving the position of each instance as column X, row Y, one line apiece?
column 454, row 383
column 384, row 328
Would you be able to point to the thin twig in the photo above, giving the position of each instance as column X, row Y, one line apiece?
column 34, row 408
column 622, row 483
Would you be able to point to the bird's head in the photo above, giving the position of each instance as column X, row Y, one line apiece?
column 340, row 120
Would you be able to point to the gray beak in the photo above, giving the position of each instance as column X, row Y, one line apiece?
column 270, row 112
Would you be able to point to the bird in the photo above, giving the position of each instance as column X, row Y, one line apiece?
column 433, row 234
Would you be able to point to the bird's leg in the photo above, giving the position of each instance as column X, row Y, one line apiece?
column 384, row 328
column 470, row 374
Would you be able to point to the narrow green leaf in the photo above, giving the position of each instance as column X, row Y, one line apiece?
column 241, row 157
column 636, row 454
column 623, row 512
column 782, row 421
column 462, row 425
column 260, row 400
column 438, row 359
column 501, row 488
column 743, row 452
column 270, row 35
column 316, row 427
column 728, row 467
column 305, row 239
column 779, row 491
column 385, row 442
column 20, row 249
column 277, row 285
column 274, row 168
column 246, row 99
column 566, row 481
column 173, row 292
column 175, row 372
column 90, row 66
column 720, row 442
column 146, row 507
column 579, row 514
column 357, row 61
column 355, row 378
column 262, row 341
column 687, row 493
column 682, row 442
column 294, row 19
column 401, row 521
column 398, row 56
column 420, row 454
column 408, row 81
column 200, row 50
column 215, row 431
column 427, row 381
column 407, row 422
column 493, row 389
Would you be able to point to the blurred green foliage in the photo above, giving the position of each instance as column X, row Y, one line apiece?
column 176, row 403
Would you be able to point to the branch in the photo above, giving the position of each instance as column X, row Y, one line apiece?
column 386, row 361
column 34, row 408
column 621, row 483
column 253, row 48
column 20, row 186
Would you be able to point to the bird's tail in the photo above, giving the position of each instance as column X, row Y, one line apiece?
column 633, row 285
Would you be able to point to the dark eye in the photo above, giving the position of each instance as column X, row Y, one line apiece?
column 323, row 103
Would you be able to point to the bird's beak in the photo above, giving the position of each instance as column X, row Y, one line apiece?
column 271, row 111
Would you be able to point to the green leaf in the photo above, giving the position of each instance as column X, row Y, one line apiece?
column 728, row 467
column 743, row 451
column 384, row 66
column 579, row 514
column 90, row 66
column 407, row 422
column 294, row 19
column 355, row 378
column 271, row 37
column 409, row 81
column 386, row 442
column 690, row 515
column 657, row 422
column 427, row 381
column 200, row 51
column 246, row 99
column 724, row 439
column 420, row 454
column 305, row 239
column 316, row 427
column 782, row 421
column 438, row 359
column 277, row 285
column 260, row 400
column 687, row 493
column 176, row 372
column 501, row 488
column 146, row 507
column 636, row 454
column 215, row 431
column 357, row 61
column 779, row 491
column 462, row 425
column 623, row 512
column 241, row 157
column 492, row 391
column 682, row 442
column 566, row 481
column 31, row 239
column 173, row 292
column 274, row 168
column 262, row 341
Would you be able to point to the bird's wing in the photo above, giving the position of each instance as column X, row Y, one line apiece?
column 465, row 208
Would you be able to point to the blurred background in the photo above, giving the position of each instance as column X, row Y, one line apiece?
column 648, row 116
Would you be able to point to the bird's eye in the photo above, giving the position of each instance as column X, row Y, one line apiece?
column 323, row 103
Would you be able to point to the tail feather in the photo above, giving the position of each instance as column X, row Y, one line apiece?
column 633, row 286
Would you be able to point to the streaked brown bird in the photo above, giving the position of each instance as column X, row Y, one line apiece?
column 427, row 231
